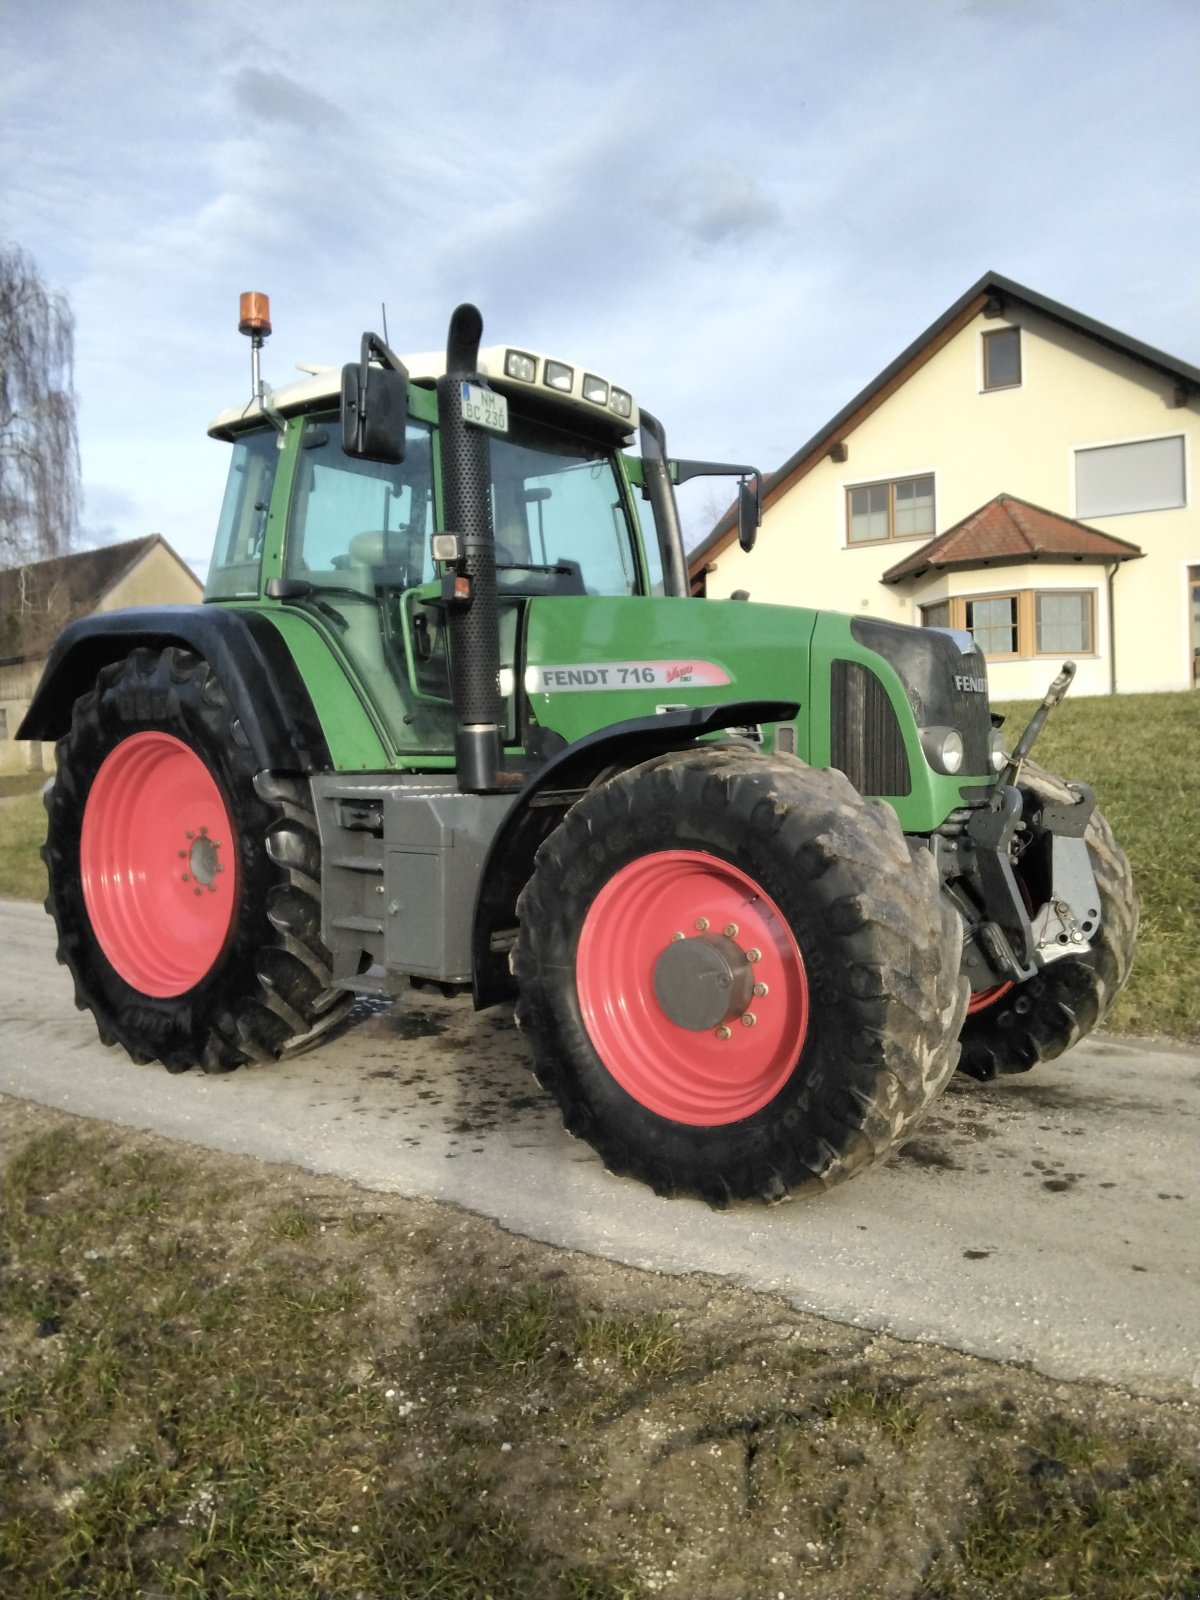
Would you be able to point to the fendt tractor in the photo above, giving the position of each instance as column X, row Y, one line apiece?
column 757, row 877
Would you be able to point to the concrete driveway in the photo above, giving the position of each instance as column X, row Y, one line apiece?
column 1050, row 1219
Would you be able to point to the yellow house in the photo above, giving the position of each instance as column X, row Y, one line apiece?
column 1020, row 471
column 38, row 600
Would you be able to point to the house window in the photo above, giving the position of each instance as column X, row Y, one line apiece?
column 1002, row 359
column 1064, row 622
column 1029, row 622
column 901, row 509
column 1115, row 479
column 993, row 624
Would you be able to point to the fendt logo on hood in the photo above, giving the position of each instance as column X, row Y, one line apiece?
column 969, row 685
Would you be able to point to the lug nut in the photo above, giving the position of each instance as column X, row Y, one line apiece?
column 731, row 929
column 760, row 989
column 753, row 955
column 676, row 938
column 748, row 1019
column 701, row 924
column 723, row 1032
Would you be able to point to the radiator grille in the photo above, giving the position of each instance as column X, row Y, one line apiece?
column 865, row 738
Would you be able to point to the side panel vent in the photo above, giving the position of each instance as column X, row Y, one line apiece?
column 865, row 738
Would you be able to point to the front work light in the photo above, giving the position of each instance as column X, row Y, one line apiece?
column 621, row 403
column 560, row 376
column 595, row 389
column 519, row 365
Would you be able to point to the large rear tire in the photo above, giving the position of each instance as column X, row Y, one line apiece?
column 184, row 883
column 737, row 979
column 1017, row 1026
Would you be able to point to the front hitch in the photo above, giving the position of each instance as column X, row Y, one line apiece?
column 1037, row 722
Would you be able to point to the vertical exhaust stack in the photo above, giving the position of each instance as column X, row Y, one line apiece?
column 475, row 627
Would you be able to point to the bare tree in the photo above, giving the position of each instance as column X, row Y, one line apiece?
column 39, row 446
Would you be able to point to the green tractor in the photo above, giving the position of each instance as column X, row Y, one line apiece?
column 757, row 877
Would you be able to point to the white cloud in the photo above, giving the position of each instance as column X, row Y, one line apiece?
column 742, row 213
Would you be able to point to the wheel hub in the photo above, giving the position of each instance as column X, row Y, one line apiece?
column 702, row 982
column 204, row 860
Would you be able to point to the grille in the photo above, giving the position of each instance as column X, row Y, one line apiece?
column 865, row 738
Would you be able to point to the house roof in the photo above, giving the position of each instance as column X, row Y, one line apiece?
column 1005, row 531
column 991, row 294
column 62, row 588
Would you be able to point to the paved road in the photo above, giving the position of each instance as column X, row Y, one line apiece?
column 1049, row 1220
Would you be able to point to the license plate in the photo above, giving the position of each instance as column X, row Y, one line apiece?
column 485, row 408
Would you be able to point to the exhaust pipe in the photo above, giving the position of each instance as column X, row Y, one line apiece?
column 474, row 627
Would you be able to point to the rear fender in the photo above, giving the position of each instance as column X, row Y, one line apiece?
column 549, row 793
column 247, row 654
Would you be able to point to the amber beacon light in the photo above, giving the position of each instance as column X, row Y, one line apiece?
column 255, row 315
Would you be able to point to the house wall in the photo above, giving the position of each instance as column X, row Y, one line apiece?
column 159, row 578
column 1073, row 394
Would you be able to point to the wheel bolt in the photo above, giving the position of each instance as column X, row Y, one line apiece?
column 701, row 924
column 723, row 1032
column 186, row 877
column 676, row 938
column 731, row 929
column 200, row 891
column 189, row 834
column 748, row 1019
column 753, row 955
column 760, row 989
column 183, row 855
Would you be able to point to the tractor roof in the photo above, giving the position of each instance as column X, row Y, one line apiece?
column 548, row 378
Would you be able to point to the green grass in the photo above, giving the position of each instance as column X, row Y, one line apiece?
column 222, row 1380
column 1141, row 754
column 22, row 831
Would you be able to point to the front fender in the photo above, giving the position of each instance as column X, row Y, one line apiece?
column 247, row 654
column 552, row 789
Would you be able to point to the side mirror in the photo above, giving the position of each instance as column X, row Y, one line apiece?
column 749, row 512
column 375, row 405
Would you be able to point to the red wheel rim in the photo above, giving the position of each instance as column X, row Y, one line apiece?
column 981, row 999
column 158, row 864
column 704, row 1077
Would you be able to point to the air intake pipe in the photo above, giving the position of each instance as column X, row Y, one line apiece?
column 475, row 626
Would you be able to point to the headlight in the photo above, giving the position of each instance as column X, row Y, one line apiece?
column 999, row 753
column 559, row 376
column 621, row 403
column 943, row 749
column 595, row 389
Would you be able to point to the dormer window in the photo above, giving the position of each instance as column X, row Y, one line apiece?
column 1002, row 359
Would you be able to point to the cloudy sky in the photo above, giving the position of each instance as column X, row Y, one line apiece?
column 741, row 211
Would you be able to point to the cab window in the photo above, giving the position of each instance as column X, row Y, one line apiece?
column 241, row 532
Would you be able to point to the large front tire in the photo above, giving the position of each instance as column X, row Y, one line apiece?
column 184, row 883
column 1017, row 1026
column 737, row 979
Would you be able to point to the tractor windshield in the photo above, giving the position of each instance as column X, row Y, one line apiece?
column 558, row 508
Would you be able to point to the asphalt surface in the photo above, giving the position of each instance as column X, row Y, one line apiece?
column 1049, row 1219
